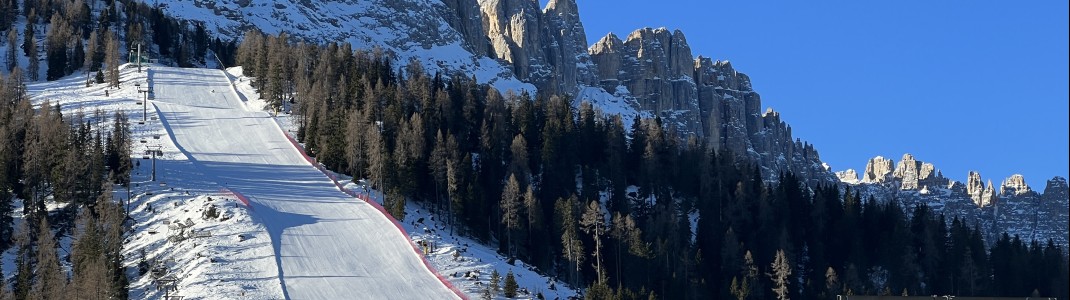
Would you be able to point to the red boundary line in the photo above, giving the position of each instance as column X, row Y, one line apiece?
column 377, row 206
column 240, row 197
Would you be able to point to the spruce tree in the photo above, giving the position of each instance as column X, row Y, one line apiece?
column 510, row 205
column 50, row 281
column 11, row 56
column 510, row 288
column 780, row 275
column 495, row 282
column 111, row 59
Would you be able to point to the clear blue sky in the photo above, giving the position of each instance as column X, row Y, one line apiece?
column 966, row 85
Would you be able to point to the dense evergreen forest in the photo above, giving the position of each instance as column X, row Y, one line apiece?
column 48, row 159
column 619, row 205
column 628, row 212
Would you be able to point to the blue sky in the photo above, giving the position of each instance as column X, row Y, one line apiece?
column 966, row 85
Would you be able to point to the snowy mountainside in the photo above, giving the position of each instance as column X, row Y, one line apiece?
column 518, row 45
column 410, row 29
column 229, row 254
column 1011, row 206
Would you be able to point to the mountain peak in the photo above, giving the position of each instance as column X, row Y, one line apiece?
column 1057, row 187
column 562, row 7
column 1014, row 185
column 878, row 170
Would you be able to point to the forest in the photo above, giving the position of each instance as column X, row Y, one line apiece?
column 626, row 211
column 61, row 168
column 618, row 205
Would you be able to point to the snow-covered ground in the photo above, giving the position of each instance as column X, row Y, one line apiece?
column 298, row 237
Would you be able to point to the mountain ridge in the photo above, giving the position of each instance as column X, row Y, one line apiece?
column 651, row 72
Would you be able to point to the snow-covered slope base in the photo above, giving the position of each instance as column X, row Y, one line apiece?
column 299, row 237
column 327, row 245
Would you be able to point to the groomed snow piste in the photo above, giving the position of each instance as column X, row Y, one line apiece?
column 326, row 244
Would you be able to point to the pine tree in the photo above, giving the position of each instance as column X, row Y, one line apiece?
column 519, row 163
column 594, row 223
column 510, row 288
column 495, row 282
column 111, row 59
column 23, row 262
column 781, row 275
column 94, row 55
column 10, row 56
column 34, row 66
column 832, row 282
column 51, row 281
column 571, row 245
column 56, row 48
column 740, row 288
column 29, row 31
column 510, row 205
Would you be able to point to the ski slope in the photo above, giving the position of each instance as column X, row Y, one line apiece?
column 326, row 244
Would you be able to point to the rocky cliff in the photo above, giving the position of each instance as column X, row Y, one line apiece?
column 655, row 71
column 515, row 44
column 1015, row 208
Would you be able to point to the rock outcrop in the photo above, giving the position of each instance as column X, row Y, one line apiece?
column 1014, row 209
column 878, row 170
column 655, row 69
column 468, row 21
column 1014, row 185
column 849, row 176
column 1056, row 189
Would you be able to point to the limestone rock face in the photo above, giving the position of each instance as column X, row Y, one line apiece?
column 908, row 172
column 1015, row 209
column 654, row 70
column 547, row 48
column 655, row 67
column 1056, row 189
column 607, row 55
column 514, row 29
column 849, row 176
column 914, row 174
column 567, row 51
column 1014, row 185
column 988, row 196
column 878, row 170
column 982, row 195
column 466, row 19
column 974, row 186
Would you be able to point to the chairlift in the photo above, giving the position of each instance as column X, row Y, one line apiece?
column 156, row 136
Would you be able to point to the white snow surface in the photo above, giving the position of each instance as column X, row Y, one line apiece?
column 412, row 30
column 326, row 244
column 301, row 238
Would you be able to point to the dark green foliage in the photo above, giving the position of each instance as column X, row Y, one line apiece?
column 509, row 287
column 451, row 145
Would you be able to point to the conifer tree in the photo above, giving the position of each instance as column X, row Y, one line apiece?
column 780, row 275
column 111, row 59
column 594, row 223
column 51, row 281
column 495, row 282
column 571, row 245
column 510, row 205
column 34, row 66
column 11, row 56
column 510, row 287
